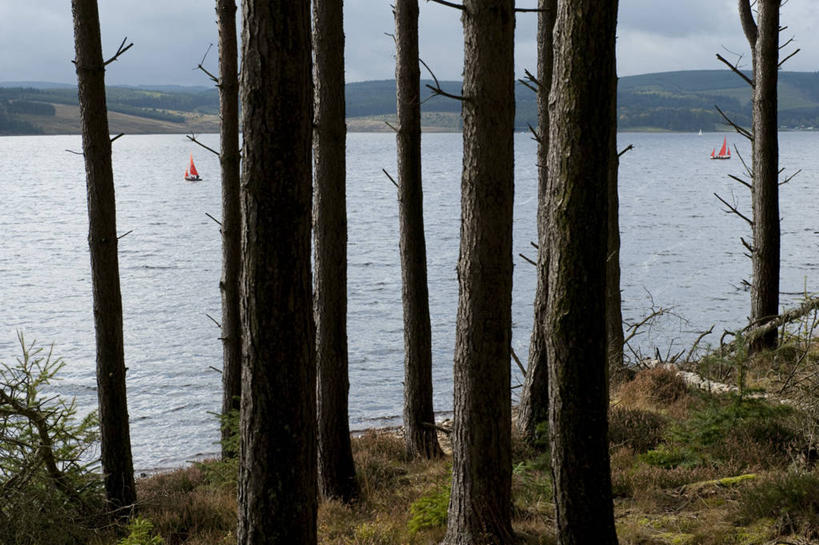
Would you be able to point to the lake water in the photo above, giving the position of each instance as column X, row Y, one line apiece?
column 679, row 250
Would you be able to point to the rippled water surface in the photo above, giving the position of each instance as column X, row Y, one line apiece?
column 678, row 250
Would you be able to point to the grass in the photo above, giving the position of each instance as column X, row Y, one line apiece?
column 688, row 468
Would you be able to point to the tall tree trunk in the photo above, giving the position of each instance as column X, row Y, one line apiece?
column 580, row 163
column 335, row 455
column 765, row 167
column 278, row 466
column 231, row 217
column 534, row 399
column 420, row 437
column 115, row 438
column 614, row 309
column 480, row 504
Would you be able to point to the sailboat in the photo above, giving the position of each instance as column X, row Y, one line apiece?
column 191, row 173
column 724, row 152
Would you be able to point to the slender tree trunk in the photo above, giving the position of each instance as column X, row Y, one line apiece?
column 580, row 163
column 421, row 438
column 614, row 310
column 765, row 166
column 534, row 399
column 231, row 216
column 115, row 438
column 480, row 504
column 277, row 470
column 335, row 455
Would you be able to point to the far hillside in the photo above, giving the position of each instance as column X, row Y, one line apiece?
column 668, row 101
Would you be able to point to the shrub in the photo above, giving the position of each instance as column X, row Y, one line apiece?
column 140, row 532
column 638, row 429
column 791, row 499
column 657, row 386
column 49, row 491
column 430, row 510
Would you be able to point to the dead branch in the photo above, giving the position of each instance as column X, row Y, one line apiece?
column 810, row 304
column 517, row 360
column 214, row 219
column 201, row 66
column 697, row 342
column 625, row 150
column 786, row 59
column 390, row 177
column 212, row 319
column 791, row 177
column 740, row 180
column 117, row 137
column 535, row 135
column 735, row 69
column 193, row 139
column 390, row 125
column 734, row 210
column 748, row 170
column 746, row 18
column 448, row 4
column 120, row 50
column 436, row 89
column 528, row 260
column 123, row 235
column 744, row 132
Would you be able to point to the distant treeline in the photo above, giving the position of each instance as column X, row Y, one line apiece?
column 672, row 101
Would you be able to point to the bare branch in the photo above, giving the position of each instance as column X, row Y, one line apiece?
column 791, row 177
column 436, row 89
column 627, row 149
column 212, row 319
column 734, row 210
column 740, row 180
column 748, row 170
column 517, row 360
column 746, row 244
column 786, row 59
column 535, row 135
column 123, row 235
column 120, row 135
column 528, row 85
column 448, row 4
column 528, row 260
column 193, row 139
column 390, row 177
column 744, row 132
column 75, row 152
column 736, row 69
column 391, row 36
column 120, row 50
column 390, row 125
column 214, row 219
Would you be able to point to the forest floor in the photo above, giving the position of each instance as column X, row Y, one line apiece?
column 689, row 466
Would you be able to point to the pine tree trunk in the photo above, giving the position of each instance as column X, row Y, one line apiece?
column 614, row 310
column 534, row 399
column 277, row 471
column 580, row 162
column 765, row 193
column 335, row 456
column 231, row 216
column 420, row 437
column 480, row 504
column 115, row 438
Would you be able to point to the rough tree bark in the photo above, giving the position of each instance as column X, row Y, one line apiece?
column 335, row 455
column 534, row 399
column 115, row 438
column 480, row 503
column 277, row 470
column 581, row 151
column 763, row 37
column 420, row 437
column 231, row 216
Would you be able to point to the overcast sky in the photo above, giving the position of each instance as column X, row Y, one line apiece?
column 170, row 37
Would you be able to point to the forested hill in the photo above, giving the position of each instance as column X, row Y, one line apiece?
column 668, row 101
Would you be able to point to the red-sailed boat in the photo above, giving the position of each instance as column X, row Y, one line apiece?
column 191, row 174
column 724, row 152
